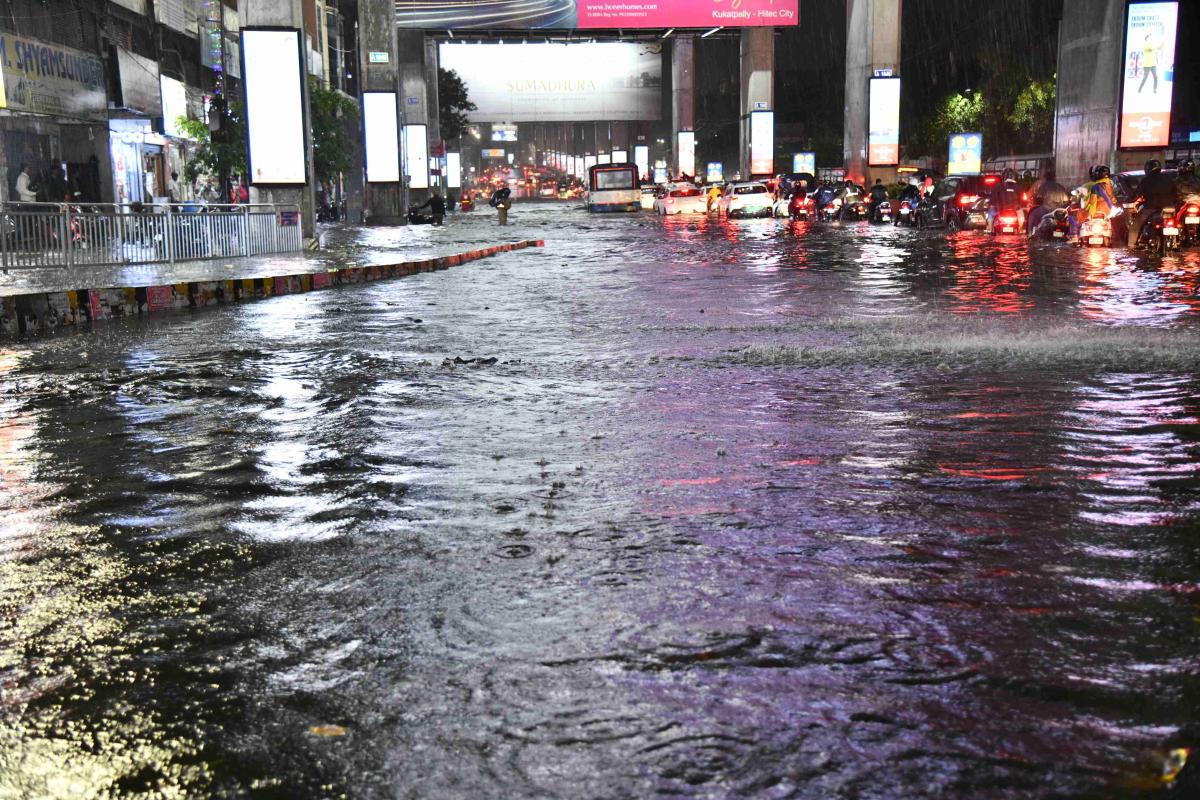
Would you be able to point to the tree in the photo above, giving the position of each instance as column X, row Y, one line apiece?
column 453, row 101
column 1033, row 113
column 957, row 113
column 220, row 153
column 332, row 145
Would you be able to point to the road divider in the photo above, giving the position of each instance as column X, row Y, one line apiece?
column 46, row 311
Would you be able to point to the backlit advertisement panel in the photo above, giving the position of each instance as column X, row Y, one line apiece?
column 804, row 162
column 641, row 157
column 620, row 156
column 1148, row 74
column 578, row 82
column 416, row 156
column 966, row 154
column 604, row 158
column 687, row 152
column 535, row 14
column 762, row 142
column 272, row 76
column 716, row 172
column 883, row 137
column 589, row 162
column 453, row 170
column 381, row 137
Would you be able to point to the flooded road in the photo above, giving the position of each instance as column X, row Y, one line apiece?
column 738, row 509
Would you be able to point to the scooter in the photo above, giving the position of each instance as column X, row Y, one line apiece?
column 1006, row 222
column 1188, row 222
column 1055, row 226
column 1096, row 232
column 852, row 210
column 882, row 211
column 907, row 213
column 415, row 217
column 1160, row 234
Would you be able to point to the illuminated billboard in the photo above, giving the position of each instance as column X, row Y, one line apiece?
column 716, row 172
column 641, row 157
column 503, row 132
column 966, row 154
column 578, row 82
column 381, row 137
column 453, row 170
column 272, row 81
column 762, row 142
column 1148, row 74
column 535, row 14
column 492, row 152
column 416, row 156
column 687, row 152
column 883, row 138
column 620, row 156
column 804, row 162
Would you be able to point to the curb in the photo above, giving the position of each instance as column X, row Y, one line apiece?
column 46, row 311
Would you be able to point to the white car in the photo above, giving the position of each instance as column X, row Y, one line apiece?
column 648, row 196
column 681, row 198
column 751, row 199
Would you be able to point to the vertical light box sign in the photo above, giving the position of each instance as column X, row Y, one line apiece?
column 381, row 137
column 883, row 126
column 272, row 80
column 641, row 157
column 620, row 156
column 1148, row 74
column 416, row 157
column 687, row 152
column 453, row 170
column 762, row 142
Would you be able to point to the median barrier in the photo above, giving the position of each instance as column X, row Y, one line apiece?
column 46, row 311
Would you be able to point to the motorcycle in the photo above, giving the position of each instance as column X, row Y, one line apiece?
column 1054, row 226
column 800, row 206
column 907, row 213
column 882, row 211
column 415, row 217
column 828, row 211
column 1006, row 222
column 1188, row 221
column 1160, row 234
column 852, row 210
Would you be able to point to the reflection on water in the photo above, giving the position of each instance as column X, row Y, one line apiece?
column 751, row 508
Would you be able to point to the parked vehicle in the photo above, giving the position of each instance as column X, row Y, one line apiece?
column 950, row 201
column 750, row 199
column 681, row 198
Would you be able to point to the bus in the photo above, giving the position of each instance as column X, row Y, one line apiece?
column 613, row 187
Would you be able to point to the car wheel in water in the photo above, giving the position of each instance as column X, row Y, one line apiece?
column 952, row 225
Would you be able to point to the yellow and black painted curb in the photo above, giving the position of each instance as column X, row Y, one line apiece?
column 35, row 312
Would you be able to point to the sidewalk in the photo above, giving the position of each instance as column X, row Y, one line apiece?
column 32, row 300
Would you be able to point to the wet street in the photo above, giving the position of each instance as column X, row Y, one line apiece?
column 682, row 508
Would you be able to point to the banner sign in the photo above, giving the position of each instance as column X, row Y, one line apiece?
column 966, row 154
column 535, row 14
column 883, row 139
column 1148, row 76
column 579, row 82
column 42, row 78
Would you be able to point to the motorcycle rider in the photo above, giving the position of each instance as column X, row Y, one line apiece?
column 1005, row 196
column 1186, row 181
column 1158, row 191
column 878, row 194
column 824, row 195
column 1048, row 194
column 849, row 194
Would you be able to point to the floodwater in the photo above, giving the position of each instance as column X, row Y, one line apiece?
column 749, row 509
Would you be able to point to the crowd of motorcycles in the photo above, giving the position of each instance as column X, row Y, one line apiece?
column 1169, row 228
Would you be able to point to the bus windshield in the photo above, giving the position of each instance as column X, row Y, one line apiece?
column 614, row 179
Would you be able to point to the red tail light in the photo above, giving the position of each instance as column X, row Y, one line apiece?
column 1006, row 218
column 967, row 199
column 990, row 179
column 1193, row 209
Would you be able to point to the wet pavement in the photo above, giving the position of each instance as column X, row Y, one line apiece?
column 750, row 509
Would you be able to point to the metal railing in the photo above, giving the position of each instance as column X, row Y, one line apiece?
column 54, row 235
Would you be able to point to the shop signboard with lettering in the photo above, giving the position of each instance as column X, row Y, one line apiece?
column 44, row 78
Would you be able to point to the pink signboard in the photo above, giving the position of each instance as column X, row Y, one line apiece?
column 686, row 13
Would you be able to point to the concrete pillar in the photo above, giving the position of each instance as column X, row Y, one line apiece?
column 1090, row 60
column 872, row 43
column 758, row 85
column 683, row 92
column 414, row 95
column 433, row 114
column 381, row 203
column 286, row 14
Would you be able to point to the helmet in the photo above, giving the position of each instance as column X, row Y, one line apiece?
column 1153, row 165
column 1187, row 167
column 1099, row 172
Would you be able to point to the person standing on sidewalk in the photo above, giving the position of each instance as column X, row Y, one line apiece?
column 502, row 202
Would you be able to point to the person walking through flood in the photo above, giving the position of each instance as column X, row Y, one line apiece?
column 502, row 202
